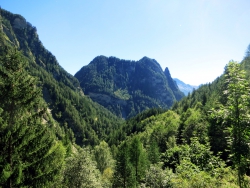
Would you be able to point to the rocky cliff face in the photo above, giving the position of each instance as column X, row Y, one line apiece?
column 172, row 85
column 128, row 87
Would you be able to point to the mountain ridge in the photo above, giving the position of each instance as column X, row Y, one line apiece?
column 85, row 121
column 128, row 87
column 185, row 88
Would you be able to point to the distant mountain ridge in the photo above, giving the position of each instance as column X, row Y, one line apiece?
column 128, row 87
column 185, row 88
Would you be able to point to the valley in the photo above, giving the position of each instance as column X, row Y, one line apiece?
column 116, row 122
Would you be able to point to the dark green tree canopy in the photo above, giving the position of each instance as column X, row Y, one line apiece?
column 30, row 155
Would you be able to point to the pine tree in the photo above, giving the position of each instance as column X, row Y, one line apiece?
column 30, row 155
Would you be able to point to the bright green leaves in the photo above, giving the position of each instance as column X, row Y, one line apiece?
column 103, row 156
column 193, row 124
column 81, row 171
column 132, row 163
column 236, row 114
column 105, row 162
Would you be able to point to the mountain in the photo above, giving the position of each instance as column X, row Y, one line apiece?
column 155, row 148
column 185, row 88
column 74, row 111
column 127, row 88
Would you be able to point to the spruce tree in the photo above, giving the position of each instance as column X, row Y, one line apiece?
column 30, row 155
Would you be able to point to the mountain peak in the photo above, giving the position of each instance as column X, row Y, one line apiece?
column 167, row 71
column 152, row 63
column 128, row 87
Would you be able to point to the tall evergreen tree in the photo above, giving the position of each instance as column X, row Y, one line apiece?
column 125, row 176
column 30, row 155
column 153, row 152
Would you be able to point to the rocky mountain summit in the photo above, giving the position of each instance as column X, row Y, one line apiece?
column 128, row 87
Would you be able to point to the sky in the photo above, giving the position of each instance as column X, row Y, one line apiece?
column 195, row 39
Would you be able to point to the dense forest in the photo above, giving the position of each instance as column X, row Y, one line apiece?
column 53, row 135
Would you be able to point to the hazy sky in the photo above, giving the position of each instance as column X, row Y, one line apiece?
column 195, row 39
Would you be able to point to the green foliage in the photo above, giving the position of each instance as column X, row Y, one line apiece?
column 195, row 166
column 193, row 124
column 127, row 88
column 125, row 173
column 138, row 158
column 105, row 162
column 161, row 129
column 81, row 171
column 197, row 153
column 236, row 114
column 132, row 126
column 182, row 147
column 103, row 156
column 154, row 152
column 75, row 112
column 157, row 177
column 188, row 175
column 122, row 94
column 30, row 154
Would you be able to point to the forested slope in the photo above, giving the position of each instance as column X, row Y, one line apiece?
column 128, row 87
column 202, row 141
column 88, row 120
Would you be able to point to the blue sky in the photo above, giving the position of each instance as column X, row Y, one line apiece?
column 195, row 39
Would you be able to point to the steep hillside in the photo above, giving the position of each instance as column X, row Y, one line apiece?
column 185, row 88
column 128, row 87
column 89, row 121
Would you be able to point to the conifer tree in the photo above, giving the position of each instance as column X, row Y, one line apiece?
column 153, row 152
column 30, row 155
column 125, row 176
column 138, row 158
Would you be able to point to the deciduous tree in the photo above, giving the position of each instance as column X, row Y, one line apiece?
column 236, row 113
